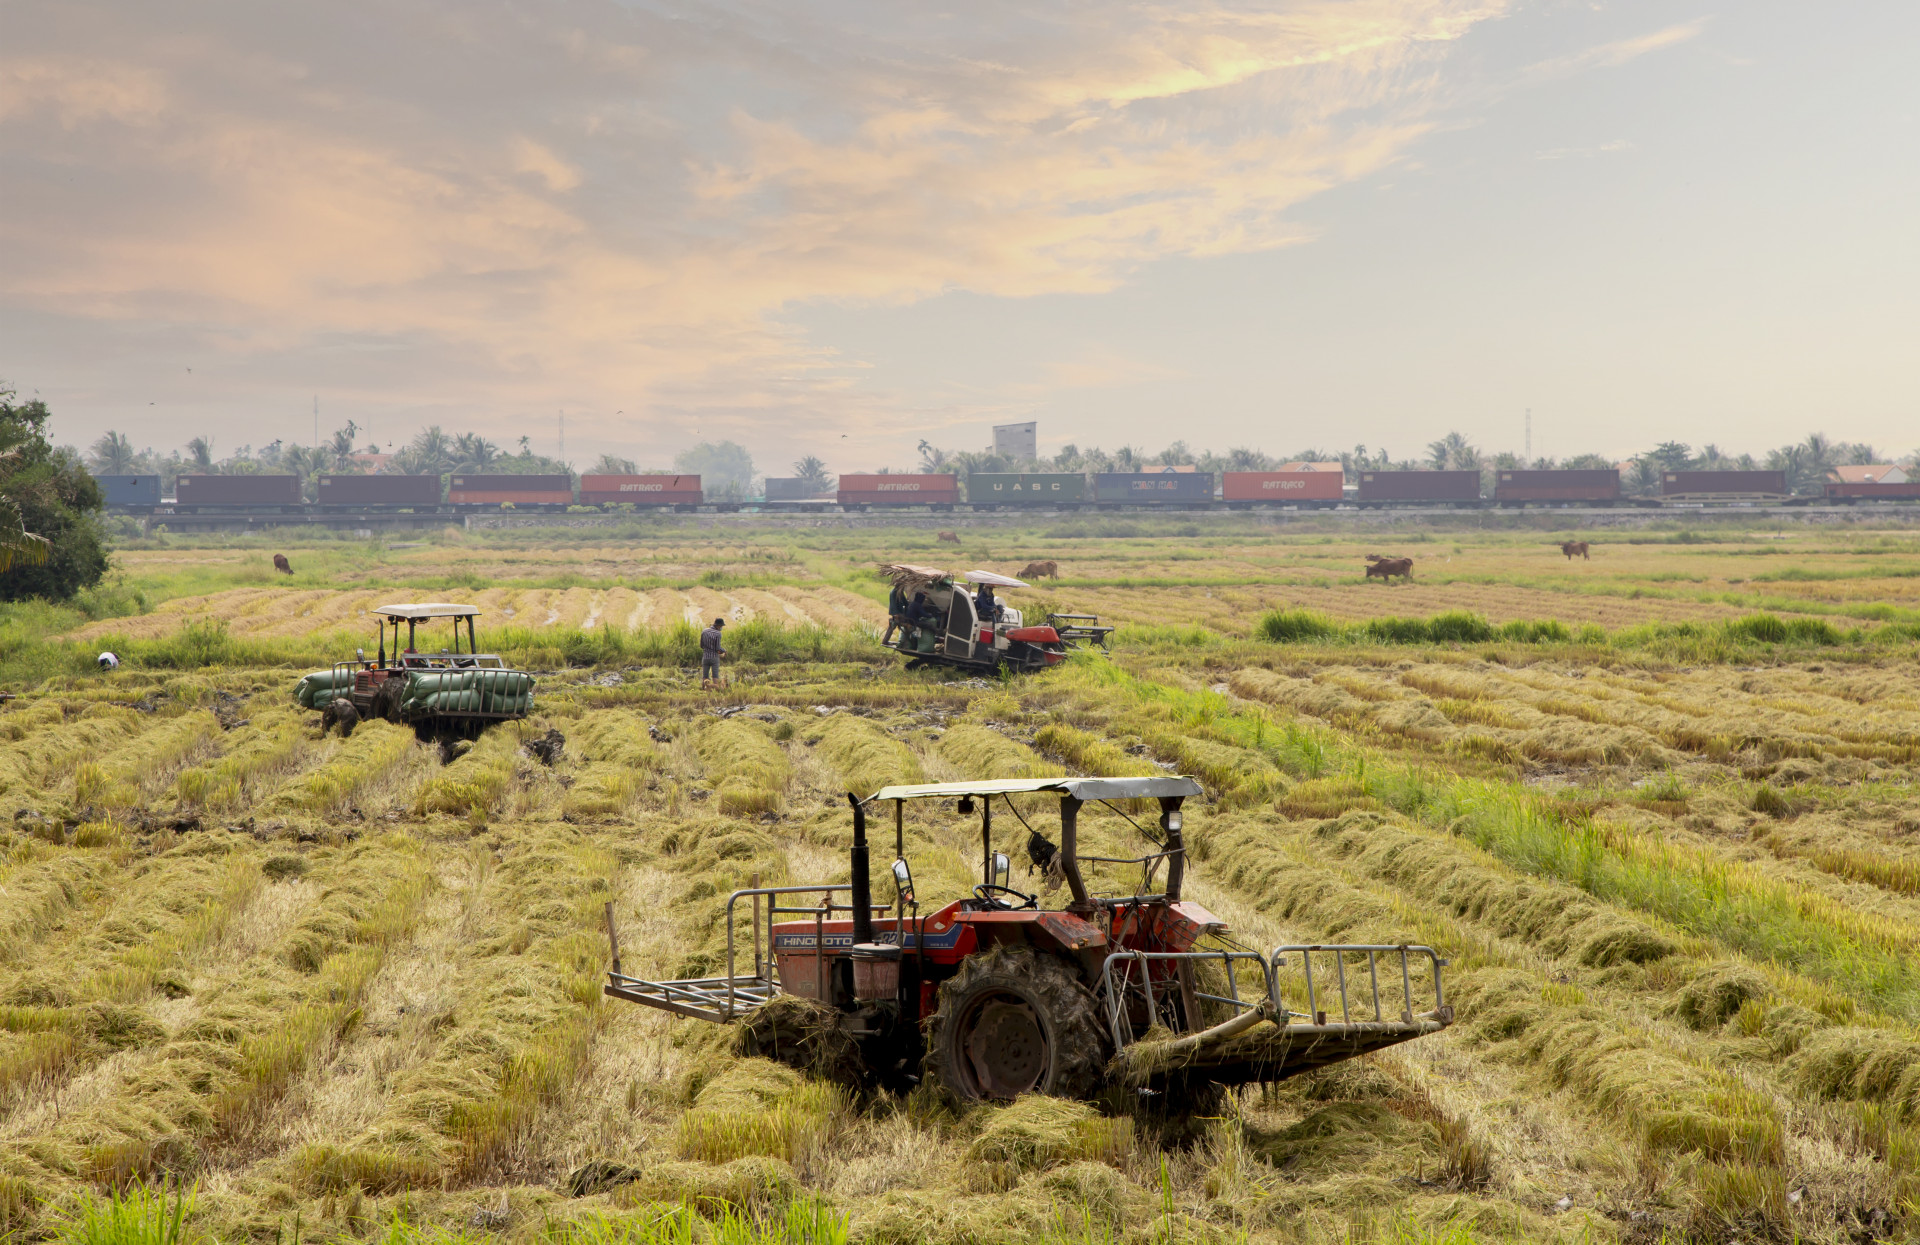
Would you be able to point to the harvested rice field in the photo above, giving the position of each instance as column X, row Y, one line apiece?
column 349, row 988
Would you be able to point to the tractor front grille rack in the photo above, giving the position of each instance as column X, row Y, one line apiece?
column 1243, row 1048
column 727, row 997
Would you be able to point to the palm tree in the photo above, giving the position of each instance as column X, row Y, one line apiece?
column 609, row 465
column 812, row 472
column 340, row 448
column 200, row 450
column 113, row 455
column 432, row 452
column 1453, row 451
column 932, row 460
column 473, row 452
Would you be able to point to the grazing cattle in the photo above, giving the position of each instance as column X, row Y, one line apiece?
column 1039, row 570
column 1387, row 568
column 281, row 564
column 947, row 538
column 1571, row 547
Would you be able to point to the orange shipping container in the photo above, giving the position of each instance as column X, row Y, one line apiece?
column 1282, row 486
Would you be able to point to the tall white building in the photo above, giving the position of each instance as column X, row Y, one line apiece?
column 1017, row 440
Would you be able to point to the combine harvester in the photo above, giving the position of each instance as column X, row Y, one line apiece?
column 1140, row 993
column 450, row 694
column 935, row 620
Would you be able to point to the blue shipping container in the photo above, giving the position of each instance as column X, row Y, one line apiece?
column 1154, row 488
column 129, row 491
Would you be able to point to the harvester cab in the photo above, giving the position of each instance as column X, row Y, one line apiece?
column 452, row 691
column 938, row 618
column 996, row 994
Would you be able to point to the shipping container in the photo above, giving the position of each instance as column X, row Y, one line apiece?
column 1153, row 488
column 1871, row 490
column 129, row 492
column 640, row 490
column 899, row 490
column 1045, row 489
column 1419, row 486
column 237, row 491
column 474, row 490
column 1673, row 483
column 1283, row 488
column 382, row 490
column 1598, row 484
column 793, row 488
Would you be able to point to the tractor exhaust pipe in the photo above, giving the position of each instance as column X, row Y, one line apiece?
column 862, row 885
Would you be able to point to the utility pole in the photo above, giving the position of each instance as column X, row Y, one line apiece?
column 1529, row 454
column 563, row 436
column 316, row 419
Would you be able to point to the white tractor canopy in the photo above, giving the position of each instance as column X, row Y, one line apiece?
column 431, row 609
column 1085, row 790
column 998, row 581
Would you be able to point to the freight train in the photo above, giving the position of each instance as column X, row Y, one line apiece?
column 464, row 494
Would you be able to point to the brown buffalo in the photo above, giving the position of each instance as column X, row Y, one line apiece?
column 1039, row 570
column 947, row 538
column 1571, row 547
column 281, row 564
column 1387, row 568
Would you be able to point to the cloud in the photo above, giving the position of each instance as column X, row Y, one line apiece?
column 1613, row 54
column 489, row 209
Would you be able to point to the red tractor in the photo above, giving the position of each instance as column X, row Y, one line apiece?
column 995, row 996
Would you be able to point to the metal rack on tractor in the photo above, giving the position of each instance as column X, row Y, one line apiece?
column 995, row 995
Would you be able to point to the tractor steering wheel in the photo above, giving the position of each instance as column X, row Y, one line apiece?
column 985, row 894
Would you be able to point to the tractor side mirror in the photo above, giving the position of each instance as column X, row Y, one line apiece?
column 965, row 805
column 1002, row 869
column 903, row 881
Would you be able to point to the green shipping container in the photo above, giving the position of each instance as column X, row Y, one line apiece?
column 1048, row 489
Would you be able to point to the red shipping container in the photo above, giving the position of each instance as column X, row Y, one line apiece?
column 1872, row 489
column 1419, row 486
column 1672, row 482
column 640, row 490
column 475, row 490
column 900, row 490
column 1282, row 486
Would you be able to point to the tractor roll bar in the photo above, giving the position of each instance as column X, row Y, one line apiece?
column 827, row 907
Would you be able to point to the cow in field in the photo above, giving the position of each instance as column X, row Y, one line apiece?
column 1039, row 570
column 281, row 564
column 1387, row 568
column 947, row 538
column 1572, row 547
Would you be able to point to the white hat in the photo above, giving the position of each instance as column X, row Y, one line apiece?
column 108, row 661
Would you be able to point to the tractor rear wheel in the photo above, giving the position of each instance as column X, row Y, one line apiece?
column 1014, row 1021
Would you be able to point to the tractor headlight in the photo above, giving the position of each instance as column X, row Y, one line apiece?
column 1173, row 820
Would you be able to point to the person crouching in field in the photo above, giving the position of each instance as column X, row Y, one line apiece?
column 711, row 653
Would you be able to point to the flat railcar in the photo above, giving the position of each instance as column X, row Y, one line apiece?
column 273, row 493
column 857, row 492
column 991, row 490
column 606, row 490
column 1170, row 489
column 1404, row 488
column 382, row 492
column 1597, row 486
column 1322, row 490
column 1723, row 486
column 516, row 491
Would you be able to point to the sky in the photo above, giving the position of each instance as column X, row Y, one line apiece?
column 839, row 229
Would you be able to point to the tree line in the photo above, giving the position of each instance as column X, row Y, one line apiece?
column 1804, row 463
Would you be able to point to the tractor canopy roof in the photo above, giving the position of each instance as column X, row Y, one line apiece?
column 1082, row 789
column 430, row 609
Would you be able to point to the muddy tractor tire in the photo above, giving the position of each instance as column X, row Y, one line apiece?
column 339, row 712
column 1012, row 1022
column 387, row 698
